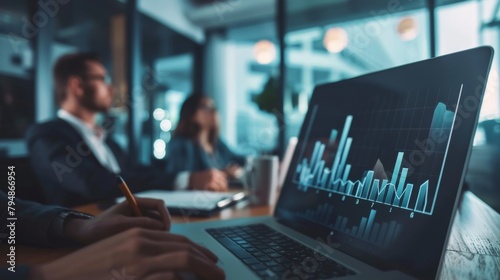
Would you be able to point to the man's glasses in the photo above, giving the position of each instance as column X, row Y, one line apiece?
column 103, row 78
column 208, row 108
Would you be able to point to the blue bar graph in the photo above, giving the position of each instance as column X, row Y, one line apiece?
column 374, row 190
column 368, row 230
column 362, row 228
column 381, row 236
column 394, row 191
column 337, row 221
column 390, row 192
column 406, row 199
column 333, row 137
column 395, row 174
column 344, row 224
column 345, row 154
column 345, row 132
column 348, row 190
column 323, row 215
column 421, row 204
column 371, row 218
column 346, row 173
column 367, row 183
column 401, row 188
column 374, row 235
column 390, row 233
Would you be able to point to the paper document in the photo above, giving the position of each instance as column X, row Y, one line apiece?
column 199, row 200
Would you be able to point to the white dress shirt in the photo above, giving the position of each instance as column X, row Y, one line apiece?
column 95, row 138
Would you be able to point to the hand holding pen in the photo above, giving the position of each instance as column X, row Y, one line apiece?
column 143, row 213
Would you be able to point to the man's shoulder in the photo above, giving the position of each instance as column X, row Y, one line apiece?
column 53, row 128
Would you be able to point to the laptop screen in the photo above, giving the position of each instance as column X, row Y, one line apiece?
column 380, row 159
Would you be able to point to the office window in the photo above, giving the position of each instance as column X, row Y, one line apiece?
column 17, row 102
column 245, row 59
column 17, row 109
column 466, row 25
column 89, row 26
column 330, row 41
column 168, row 59
column 166, row 66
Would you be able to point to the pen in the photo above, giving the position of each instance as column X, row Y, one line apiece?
column 129, row 196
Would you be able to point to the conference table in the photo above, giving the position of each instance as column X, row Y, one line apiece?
column 473, row 250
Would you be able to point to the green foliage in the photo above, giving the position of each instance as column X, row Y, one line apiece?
column 267, row 100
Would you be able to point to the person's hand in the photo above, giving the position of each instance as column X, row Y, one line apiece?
column 234, row 171
column 134, row 254
column 210, row 180
column 117, row 219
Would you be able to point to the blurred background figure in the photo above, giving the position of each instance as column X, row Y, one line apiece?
column 75, row 159
column 260, row 79
column 196, row 145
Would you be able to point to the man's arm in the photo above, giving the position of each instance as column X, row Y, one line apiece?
column 66, row 168
column 36, row 224
column 43, row 225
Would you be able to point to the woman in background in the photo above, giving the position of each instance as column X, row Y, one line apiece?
column 196, row 145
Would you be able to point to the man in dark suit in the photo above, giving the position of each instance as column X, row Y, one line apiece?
column 74, row 160
column 118, row 244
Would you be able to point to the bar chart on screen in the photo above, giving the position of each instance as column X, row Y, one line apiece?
column 367, row 229
column 396, row 191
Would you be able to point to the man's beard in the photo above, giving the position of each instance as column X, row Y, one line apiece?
column 89, row 102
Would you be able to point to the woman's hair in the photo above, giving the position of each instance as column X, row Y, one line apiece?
column 187, row 126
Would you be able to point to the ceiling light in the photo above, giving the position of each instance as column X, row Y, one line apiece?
column 264, row 52
column 407, row 29
column 335, row 40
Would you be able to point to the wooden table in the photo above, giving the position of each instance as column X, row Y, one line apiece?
column 473, row 251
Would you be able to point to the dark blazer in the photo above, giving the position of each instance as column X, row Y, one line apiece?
column 187, row 155
column 70, row 174
column 34, row 226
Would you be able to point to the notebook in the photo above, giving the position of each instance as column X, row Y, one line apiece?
column 193, row 203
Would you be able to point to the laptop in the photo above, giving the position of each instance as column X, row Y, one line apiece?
column 374, row 182
column 287, row 159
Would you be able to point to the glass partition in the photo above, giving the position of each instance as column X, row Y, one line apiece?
column 471, row 31
column 328, row 41
column 17, row 105
column 168, row 58
column 244, row 60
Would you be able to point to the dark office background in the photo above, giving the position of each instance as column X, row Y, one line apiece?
column 239, row 52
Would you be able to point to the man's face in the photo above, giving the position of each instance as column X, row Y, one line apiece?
column 97, row 93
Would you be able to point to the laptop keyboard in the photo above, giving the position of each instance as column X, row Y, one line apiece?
column 272, row 255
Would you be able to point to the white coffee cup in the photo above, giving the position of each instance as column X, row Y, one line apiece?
column 261, row 179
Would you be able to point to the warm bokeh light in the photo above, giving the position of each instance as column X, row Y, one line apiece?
column 335, row 40
column 407, row 29
column 264, row 52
